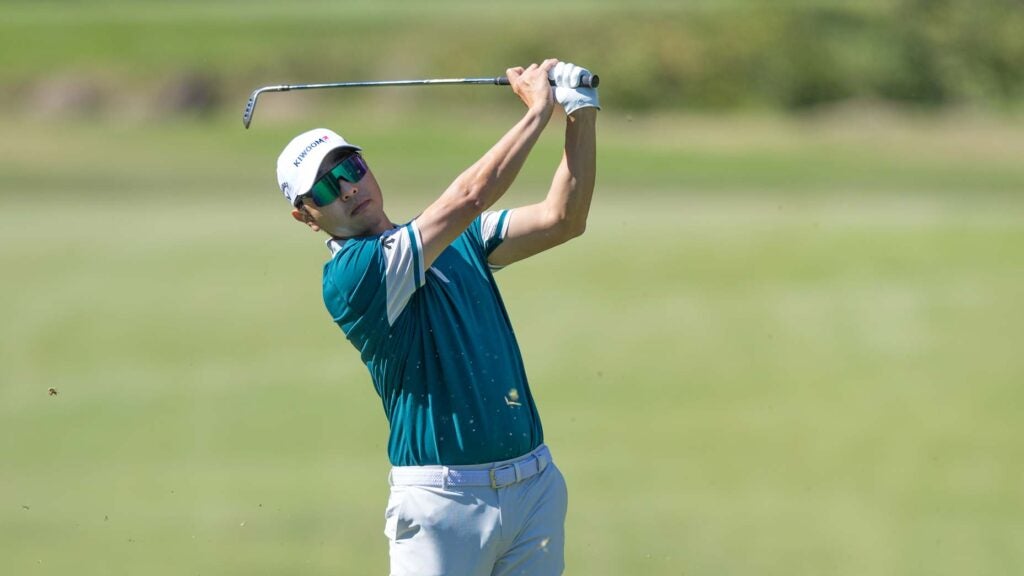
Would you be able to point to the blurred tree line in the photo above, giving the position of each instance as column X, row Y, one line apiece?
column 736, row 54
column 652, row 54
column 799, row 55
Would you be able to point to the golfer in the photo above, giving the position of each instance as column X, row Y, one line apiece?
column 474, row 490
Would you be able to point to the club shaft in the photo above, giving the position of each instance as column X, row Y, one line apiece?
column 589, row 81
column 436, row 81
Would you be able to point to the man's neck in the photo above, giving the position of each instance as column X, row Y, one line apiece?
column 381, row 227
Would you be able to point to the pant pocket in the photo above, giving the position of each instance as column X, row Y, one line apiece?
column 391, row 513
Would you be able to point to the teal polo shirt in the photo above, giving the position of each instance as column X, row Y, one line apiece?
column 437, row 342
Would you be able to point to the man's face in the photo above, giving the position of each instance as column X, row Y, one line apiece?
column 358, row 209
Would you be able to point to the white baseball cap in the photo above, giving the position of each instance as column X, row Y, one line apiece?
column 300, row 161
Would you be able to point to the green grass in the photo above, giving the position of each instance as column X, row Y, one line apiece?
column 750, row 364
column 785, row 346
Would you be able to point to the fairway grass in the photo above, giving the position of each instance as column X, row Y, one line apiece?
column 734, row 379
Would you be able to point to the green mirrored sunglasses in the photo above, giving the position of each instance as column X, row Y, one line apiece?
column 325, row 190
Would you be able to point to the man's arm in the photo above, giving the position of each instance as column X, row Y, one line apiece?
column 562, row 215
column 485, row 181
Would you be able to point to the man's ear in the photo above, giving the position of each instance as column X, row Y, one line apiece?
column 305, row 218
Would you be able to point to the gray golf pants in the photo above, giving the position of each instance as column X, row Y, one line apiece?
column 440, row 521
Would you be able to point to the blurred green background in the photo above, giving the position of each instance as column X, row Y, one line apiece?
column 789, row 342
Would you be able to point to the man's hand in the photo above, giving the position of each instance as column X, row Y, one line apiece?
column 568, row 91
column 532, row 86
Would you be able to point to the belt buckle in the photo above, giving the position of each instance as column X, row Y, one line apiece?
column 493, row 473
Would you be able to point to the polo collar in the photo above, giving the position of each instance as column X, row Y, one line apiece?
column 335, row 245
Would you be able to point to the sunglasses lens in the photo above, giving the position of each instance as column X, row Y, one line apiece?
column 324, row 191
column 351, row 169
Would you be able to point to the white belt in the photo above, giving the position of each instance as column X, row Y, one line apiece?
column 497, row 477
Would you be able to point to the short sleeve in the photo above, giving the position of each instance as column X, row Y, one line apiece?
column 403, row 267
column 493, row 228
column 374, row 275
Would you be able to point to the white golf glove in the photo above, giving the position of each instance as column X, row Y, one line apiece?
column 568, row 91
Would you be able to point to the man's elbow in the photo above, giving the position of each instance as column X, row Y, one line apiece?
column 468, row 196
column 577, row 228
column 570, row 228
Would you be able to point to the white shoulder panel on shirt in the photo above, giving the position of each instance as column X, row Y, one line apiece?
column 403, row 267
column 489, row 225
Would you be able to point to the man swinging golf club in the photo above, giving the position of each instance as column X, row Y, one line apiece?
column 474, row 490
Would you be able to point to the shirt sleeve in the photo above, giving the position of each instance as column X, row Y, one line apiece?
column 353, row 282
column 403, row 267
column 374, row 277
column 493, row 228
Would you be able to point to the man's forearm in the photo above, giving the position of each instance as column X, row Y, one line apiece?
column 573, row 185
column 492, row 175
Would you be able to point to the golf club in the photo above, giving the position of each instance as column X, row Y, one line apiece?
column 589, row 81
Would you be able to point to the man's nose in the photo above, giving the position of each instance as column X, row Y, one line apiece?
column 348, row 190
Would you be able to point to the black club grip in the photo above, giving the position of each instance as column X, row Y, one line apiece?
column 586, row 81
